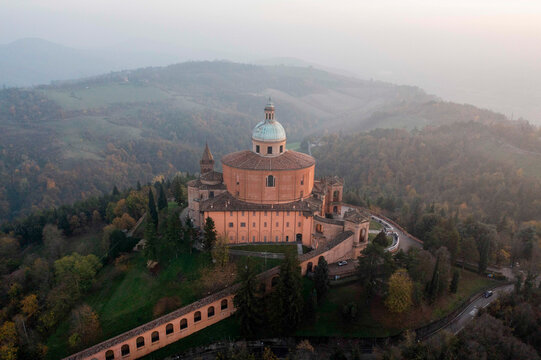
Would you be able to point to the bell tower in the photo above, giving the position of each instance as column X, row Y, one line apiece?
column 206, row 163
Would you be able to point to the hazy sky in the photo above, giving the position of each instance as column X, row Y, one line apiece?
column 483, row 52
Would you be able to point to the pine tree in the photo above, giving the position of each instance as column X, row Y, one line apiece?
column 287, row 298
column 210, row 235
column 247, row 302
column 454, row 282
column 138, row 185
column 162, row 199
column 152, row 208
column 321, row 278
column 115, row 191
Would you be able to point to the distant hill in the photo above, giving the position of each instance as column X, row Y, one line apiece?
column 34, row 61
column 77, row 138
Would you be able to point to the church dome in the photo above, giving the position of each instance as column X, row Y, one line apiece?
column 269, row 129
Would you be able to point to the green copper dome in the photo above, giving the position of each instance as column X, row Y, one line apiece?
column 269, row 129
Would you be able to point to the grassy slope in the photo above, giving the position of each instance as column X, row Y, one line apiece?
column 375, row 321
column 129, row 294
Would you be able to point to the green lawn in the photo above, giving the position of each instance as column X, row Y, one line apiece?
column 271, row 248
column 127, row 297
column 330, row 322
column 374, row 225
column 468, row 284
column 129, row 293
column 375, row 320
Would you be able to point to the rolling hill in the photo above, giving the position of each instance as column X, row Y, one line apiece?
column 79, row 138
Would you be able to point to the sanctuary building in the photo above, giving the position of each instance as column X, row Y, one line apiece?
column 269, row 195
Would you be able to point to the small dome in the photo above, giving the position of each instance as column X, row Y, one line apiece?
column 269, row 130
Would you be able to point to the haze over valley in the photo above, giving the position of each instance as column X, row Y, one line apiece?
column 351, row 180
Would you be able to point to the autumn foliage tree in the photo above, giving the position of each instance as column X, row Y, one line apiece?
column 400, row 290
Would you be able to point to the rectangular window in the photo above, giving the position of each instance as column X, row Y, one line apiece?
column 242, row 238
column 276, row 238
column 265, row 224
column 242, row 213
column 253, row 224
column 277, row 224
column 302, row 180
column 287, row 224
column 277, row 213
column 281, row 149
column 211, row 194
column 253, row 213
column 265, row 212
column 299, row 224
column 269, row 149
column 257, row 149
column 231, row 213
column 230, row 225
column 287, row 213
column 253, row 238
column 265, row 238
column 242, row 224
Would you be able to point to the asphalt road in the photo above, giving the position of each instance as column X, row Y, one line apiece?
column 471, row 311
column 406, row 242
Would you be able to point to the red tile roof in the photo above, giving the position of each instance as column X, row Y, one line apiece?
column 289, row 160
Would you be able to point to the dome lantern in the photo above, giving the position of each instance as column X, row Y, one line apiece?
column 269, row 136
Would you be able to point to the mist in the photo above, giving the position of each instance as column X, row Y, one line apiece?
column 484, row 53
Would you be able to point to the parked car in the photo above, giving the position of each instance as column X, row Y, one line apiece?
column 488, row 293
column 342, row 263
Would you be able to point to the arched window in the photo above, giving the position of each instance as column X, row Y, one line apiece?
column 363, row 234
column 210, row 311
column 270, row 181
column 197, row 316
column 155, row 336
column 140, row 342
column 183, row 324
column 169, row 329
column 109, row 355
column 223, row 305
column 125, row 350
column 319, row 228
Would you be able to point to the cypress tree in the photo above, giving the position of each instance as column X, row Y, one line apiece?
column 162, row 199
column 454, row 282
column 151, row 246
column 246, row 301
column 433, row 285
column 177, row 191
column 287, row 299
column 115, row 191
column 188, row 232
column 138, row 186
column 321, row 278
column 152, row 208
column 210, row 235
